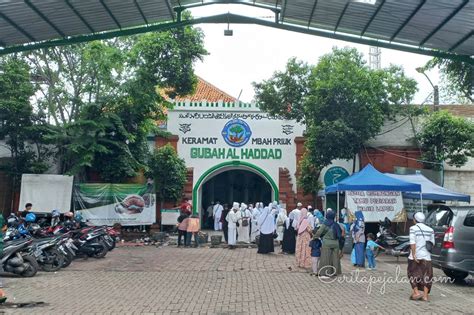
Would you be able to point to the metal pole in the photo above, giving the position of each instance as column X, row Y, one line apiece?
column 337, row 212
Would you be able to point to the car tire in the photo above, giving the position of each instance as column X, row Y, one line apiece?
column 456, row 275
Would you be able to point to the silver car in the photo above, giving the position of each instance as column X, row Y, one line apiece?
column 454, row 234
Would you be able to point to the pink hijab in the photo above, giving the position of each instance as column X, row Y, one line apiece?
column 303, row 221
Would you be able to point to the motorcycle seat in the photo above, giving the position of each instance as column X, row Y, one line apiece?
column 403, row 238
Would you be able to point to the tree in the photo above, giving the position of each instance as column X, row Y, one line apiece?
column 457, row 78
column 446, row 138
column 19, row 126
column 103, row 98
column 342, row 102
column 169, row 173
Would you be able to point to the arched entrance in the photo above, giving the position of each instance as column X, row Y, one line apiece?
column 233, row 181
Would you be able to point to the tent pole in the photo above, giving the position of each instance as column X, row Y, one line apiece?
column 421, row 203
column 337, row 218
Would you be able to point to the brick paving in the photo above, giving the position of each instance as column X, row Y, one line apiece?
column 170, row 280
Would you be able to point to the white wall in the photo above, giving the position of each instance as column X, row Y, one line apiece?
column 208, row 122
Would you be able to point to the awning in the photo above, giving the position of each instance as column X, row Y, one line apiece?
column 371, row 179
column 429, row 190
column 435, row 27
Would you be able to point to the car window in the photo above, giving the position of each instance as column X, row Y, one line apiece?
column 469, row 220
column 439, row 217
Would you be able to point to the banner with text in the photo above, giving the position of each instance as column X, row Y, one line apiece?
column 376, row 205
column 107, row 204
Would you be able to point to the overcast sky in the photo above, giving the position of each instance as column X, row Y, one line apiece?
column 254, row 52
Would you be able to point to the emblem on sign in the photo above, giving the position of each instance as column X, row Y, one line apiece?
column 236, row 133
column 334, row 175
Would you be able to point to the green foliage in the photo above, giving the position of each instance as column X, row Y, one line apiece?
column 309, row 177
column 342, row 101
column 19, row 126
column 103, row 98
column 168, row 172
column 447, row 138
column 457, row 78
column 285, row 92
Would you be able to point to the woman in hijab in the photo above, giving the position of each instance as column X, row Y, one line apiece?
column 288, row 244
column 329, row 232
column 280, row 224
column 357, row 229
column 232, row 218
column 303, row 251
column 243, row 231
column 318, row 218
column 254, row 230
column 267, row 228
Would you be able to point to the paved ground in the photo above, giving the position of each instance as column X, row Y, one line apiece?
column 168, row 280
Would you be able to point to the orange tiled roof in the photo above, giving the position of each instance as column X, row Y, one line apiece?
column 206, row 91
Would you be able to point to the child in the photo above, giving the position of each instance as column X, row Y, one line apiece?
column 370, row 251
column 315, row 245
column 182, row 228
column 192, row 229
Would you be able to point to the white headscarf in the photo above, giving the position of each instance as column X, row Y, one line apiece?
column 296, row 217
column 266, row 221
column 235, row 206
column 281, row 215
column 243, row 207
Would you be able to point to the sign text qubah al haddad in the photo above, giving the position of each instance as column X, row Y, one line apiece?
column 236, row 153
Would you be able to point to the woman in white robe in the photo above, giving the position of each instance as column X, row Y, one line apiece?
column 243, row 230
column 280, row 224
column 232, row 218
column 254, row 230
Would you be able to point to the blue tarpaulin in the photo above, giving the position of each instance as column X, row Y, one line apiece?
column 371, row 179
column 429, row 190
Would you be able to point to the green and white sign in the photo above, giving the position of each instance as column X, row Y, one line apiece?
column 334, row 175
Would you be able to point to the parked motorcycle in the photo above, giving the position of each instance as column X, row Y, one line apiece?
column 16, row 260
column 89, row 243
column 47, row 254
column 394, row 243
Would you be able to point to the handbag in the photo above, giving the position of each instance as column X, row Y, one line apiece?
column 428, row 244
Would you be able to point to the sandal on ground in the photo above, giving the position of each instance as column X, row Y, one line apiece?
column 425, row 299
column 416, row 297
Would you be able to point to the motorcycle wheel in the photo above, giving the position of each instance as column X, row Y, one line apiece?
column 55, row 261
column 455, row 274
column 102, row 252
column 32, row 267
column 67, row 260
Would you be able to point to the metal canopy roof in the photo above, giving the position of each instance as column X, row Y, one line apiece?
column 433, row 27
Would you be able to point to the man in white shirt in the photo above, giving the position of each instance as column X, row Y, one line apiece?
column 232, row 218
column 216, row 213
column 420, row 270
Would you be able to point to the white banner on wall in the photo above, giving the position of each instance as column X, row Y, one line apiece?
column 376, row 205
column 46, row 192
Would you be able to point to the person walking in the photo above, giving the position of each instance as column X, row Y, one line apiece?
column 225, row 224
column 370, row 251
column 209, row 216
column 280, row 224
column 303, row 251
column 419, row 269
column 217, row 213
column 243, row 229
column 358, row 229
column 330, row 233
column 232, row 219
column 288, row 245
column 267, row 228
column 254, row 229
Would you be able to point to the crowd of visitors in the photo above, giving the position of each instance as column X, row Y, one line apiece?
column 315, row 237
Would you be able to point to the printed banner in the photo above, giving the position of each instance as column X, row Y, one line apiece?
column 376, row 205
column 107, row 204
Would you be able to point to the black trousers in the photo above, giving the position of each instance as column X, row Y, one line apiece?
column 181, row 234
column 225, row 229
